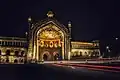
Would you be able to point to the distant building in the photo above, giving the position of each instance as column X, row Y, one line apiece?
column 46, row 40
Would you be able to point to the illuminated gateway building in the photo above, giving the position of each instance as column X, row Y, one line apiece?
column 46, row 40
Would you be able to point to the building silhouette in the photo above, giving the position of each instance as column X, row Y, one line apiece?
column 46, row 40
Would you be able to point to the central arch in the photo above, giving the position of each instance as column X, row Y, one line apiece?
column 52, row 38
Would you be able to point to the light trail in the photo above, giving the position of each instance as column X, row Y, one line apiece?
column 109, row 67
column 96, row 69
column 103, row 70
column 84, row 61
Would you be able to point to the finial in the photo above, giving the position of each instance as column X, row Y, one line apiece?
column 29, row 19
column 26, row 33
column 69, row 24
column 50, row 14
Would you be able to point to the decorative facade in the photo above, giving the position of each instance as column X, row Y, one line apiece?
column 13, row 49
column 47, row 40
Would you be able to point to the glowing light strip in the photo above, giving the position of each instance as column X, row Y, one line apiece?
column 82, row 43
column 63, row 65
column 95, row 66
column 50, row 40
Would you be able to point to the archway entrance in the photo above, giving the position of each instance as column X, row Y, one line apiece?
column 45, row 57
column 55, row 56
column 50, row 38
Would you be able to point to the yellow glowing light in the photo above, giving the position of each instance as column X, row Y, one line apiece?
column 59, row 43
column 51, row 44
column 49, row 35
column 29, row 19
column 85, row 43
column 55, row 45
column 42, row 43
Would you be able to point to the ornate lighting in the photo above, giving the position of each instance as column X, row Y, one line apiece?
column 51, row 44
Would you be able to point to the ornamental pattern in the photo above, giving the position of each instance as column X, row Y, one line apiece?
column 49, row 32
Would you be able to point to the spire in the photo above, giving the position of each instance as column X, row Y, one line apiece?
column 50, row 14
column 69, row 24
column 69, row 27
column 29, row 19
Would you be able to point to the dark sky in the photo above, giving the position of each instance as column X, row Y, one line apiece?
column 91, row 19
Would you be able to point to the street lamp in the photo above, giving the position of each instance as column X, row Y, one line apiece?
column 107, row 47
column 108, row 50
column 116, row 38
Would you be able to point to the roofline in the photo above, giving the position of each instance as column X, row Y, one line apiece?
column 80, row 42
column 3, row 37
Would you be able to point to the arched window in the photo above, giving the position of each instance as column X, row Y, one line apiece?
column 15, row 61
column 7, row 60
column 86, row 53
column 96, row 53
column 21, row 60
column 0, row 42
column 45, row 57
column 80, row 53
column 0, row 52
column 76, row 52
column 8, row 52
column 17, row 53
column 22, row 53
column 5, row 42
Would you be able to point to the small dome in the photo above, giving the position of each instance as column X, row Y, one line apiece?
column 69, row 24
column 50, row 14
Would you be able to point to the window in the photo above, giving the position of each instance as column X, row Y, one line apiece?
column 8, row 52
column 0, row 43
column 0, row 52
column 85, row 53
column 5, row 43
column 16, row 53
column 22, row 53
column 80, row 53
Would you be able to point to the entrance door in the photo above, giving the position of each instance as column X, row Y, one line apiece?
column 45, row 57
column 56, row 56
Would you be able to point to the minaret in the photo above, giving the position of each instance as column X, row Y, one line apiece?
column 29, row 54
column 29, row 24
column 69, row 26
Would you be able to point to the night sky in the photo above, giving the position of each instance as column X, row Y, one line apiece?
column 91, row 19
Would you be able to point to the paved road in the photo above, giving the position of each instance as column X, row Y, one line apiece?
column 50, row 72
column 83, row 72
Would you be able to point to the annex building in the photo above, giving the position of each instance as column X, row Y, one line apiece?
column 47, row 40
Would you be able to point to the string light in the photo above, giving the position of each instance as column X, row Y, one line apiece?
column 50, row 43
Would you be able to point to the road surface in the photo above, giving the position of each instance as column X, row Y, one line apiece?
column 52, row 72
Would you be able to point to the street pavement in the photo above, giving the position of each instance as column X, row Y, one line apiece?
column 90, row 73
column 52, row 72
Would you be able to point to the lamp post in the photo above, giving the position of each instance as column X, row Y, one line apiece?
column 108, row 50
column 116, row 46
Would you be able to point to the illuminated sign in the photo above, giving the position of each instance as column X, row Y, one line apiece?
column 50, row 43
